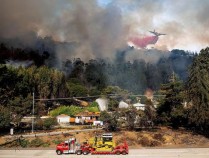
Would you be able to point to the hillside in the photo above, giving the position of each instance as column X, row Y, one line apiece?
column 163, row 137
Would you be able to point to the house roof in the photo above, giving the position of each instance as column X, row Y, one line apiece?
column 88, row 114
column 139, row 105
column 63, row 115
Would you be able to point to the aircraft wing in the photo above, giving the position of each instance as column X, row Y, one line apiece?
column 161, row 34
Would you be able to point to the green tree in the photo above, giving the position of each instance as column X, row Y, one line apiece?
column 149, row 111
column 8, row 82
column 113, row 104
column 94, row 74
column 110, row 120
column 171, row 110
column 131, row 114
column 76, row 90
column 115, row 90
column 4, row 118
column 20, row 107
column 49, row 122
column 93, row 107
column 198, row 91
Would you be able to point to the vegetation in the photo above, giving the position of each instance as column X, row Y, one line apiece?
column 197, row 91
column 171, row 110
column 93, row 107
column 117, row 80
column 73, row 110
column 4, row 118
column 68, row 110
column 36, row 142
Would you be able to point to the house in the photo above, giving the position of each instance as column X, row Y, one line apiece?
column 86, row 117
column 27, row 119
column 123, row 104
column 45, row 117
column 63, row 118
column 98, row 123
column 139, row 106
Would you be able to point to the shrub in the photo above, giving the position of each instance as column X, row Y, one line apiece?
column 36, row 142
column 68, row 110
column 92, row 109
column 144, row 141
column 159, row 137
column 154, row 143
column 46, row 144
column 24, row 143
column 57, row 141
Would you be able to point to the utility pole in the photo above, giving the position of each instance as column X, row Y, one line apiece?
column 172, row 78
column 33, row 113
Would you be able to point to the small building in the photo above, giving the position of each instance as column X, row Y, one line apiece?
column 98, row 123
column 123, row 104
column 27, row 119
column 86, row 117
column 63, row 118
column 45, row 117
column 139, row 106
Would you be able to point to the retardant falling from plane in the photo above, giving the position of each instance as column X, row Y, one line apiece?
column 143, row 42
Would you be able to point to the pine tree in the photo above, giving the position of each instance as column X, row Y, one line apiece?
column 171, row 110
column 198, row 90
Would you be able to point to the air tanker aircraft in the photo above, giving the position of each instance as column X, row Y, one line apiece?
column 143, row 42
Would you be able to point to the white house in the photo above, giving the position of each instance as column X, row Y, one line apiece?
column 139, row 106
column 123, row 104
column 96, row 123
column 63, row 118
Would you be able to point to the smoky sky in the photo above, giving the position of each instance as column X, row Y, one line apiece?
column 99, row 28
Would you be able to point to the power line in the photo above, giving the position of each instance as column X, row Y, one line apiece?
column 70, row 98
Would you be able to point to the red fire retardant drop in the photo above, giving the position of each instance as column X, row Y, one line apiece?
column 142, row 42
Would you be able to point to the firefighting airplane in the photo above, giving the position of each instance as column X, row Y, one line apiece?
column 143, row 42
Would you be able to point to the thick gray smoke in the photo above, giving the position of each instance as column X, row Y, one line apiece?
column 97, row 31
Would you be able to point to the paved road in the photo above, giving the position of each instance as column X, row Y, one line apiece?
column 134, row 153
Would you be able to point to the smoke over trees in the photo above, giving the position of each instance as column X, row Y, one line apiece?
column 98, row 31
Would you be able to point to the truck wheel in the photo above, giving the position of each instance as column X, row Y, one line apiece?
column 117, row 152
column 79, row 152
column 59, row 152
column 123, row 152
column 85, row 152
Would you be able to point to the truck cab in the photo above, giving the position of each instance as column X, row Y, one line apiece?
column 69, row 146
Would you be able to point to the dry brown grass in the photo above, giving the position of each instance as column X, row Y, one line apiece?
column 164, row 137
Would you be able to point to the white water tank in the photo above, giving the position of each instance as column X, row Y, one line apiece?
column 103, row 104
